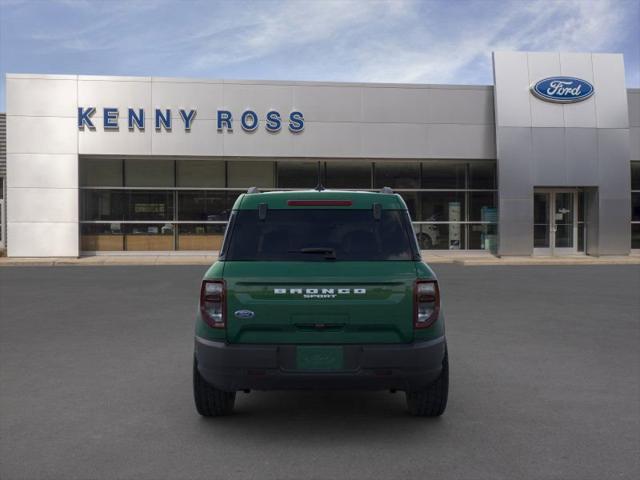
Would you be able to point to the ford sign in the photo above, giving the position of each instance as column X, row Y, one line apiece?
column 562, row 89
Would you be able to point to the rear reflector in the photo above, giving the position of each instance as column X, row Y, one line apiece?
column 319, row 203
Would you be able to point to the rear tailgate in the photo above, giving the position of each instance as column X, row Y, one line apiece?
column 319, row 302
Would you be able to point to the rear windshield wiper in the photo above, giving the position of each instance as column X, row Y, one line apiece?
column 329, row 253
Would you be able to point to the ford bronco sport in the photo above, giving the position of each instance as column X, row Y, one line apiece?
column 320, row 290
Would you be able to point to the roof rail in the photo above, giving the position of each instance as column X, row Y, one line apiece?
column 386, row 190
column 253, row 190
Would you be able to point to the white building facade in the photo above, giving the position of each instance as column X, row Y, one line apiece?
column 145, row 164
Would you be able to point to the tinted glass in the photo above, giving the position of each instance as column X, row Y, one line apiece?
column 350, row 234
column 149, row 173
column 483, row 237
column 442, row 206
column 635, row 207
column 482, row 175
column 635, row 235
column 348, row 175
column 443, row 175
column 482, row 206
column 397, row 175
column 103, row 205
column 635, row 175
column 200, row 173
column 250, row 174
column 101, row 172
column 150, row 205
column 441, row 236
column 203, row 205
column 297, row 174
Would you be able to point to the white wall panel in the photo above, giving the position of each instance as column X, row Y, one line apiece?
column 544, row 114
column 115, row 93
column 461, row 106
column 579, row 114
column 42, row 239
column 395, row 140
column 327, row 140
column 260, row 143
column 512, row 89
column 121, row 141
column 259, row 98
column 461, row 141
column 42, row 171
column 42, row 205
column 203, row 139
column 321, row 103
column 41, row 135
column 395, row 105
column 612, row 109
column 206, row 98
column 43, row 97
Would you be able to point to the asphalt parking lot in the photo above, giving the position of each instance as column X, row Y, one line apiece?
column 95, row 383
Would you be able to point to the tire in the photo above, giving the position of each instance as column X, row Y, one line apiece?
column 210, row 402
column 432, row 401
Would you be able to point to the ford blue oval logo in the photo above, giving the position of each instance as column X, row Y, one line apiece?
column 562, row 89
column 244, row 314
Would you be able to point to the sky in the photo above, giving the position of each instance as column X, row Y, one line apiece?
column 403, row 41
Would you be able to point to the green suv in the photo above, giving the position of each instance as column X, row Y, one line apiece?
column 320, row 289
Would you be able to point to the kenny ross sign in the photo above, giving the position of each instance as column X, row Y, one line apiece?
column 162, row 119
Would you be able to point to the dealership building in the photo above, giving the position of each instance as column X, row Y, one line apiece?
column 546, row 161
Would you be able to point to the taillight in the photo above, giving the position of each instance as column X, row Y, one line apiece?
column 212, row 300
column 426, row 303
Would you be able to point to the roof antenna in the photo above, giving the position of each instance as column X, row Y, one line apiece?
column 319, row 186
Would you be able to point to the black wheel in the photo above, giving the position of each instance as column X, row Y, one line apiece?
column 432, row 401
column 210, row 402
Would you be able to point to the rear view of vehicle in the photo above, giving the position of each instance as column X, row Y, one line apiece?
column 320, row 290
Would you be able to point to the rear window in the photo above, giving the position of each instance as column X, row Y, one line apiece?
column 320, row 235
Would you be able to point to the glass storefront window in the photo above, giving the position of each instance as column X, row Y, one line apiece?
column 204, row 237
column 442, row 206
column 203, row 205
column 103, row 205
column 101, row 172
column 96, row 237
column 635, row 235
column 635, row 206
column 482, row 206
column 200, row 173
column 635, row 175
column 296, row 174
column 150, row 205
column 441, row 236
column 411, row 199
column 250, row 174
column 208, row 200
column 397, row 175
column 148, row 237
column 482, row 175
column 149, row 173
column 348, row 174
column 441, row 175
column 483, row 237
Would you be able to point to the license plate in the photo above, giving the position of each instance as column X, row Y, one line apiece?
column 319, row 358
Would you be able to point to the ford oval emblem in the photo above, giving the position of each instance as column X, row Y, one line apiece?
column 562, row 89
column 244, row 314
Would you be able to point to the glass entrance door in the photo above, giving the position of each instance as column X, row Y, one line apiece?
column 555, row 222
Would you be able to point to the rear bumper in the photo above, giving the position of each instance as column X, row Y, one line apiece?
column 408, row 367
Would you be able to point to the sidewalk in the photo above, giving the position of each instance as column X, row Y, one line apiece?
column 431, row 257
